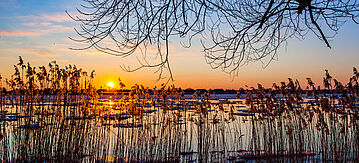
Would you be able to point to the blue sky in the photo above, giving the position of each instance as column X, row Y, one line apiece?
column 38, row 31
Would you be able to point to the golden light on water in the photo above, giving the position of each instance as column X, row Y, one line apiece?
column 110, row 102
column 111, row 84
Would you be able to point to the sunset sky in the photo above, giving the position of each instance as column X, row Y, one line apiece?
column 38, row 31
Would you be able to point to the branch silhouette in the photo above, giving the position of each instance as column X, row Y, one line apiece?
column 232, row 33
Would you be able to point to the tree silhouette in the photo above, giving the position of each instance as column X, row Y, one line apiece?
column 232, row 32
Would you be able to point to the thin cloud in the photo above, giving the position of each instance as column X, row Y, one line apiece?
column 33, row 24
column 48, row 29
column 17, row 33
column 45, row 23
column 56, row 17
column 37, row 51
column 60, row 27
column 39, row 25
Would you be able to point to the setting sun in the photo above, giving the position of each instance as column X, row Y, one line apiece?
column 111, row 84
column 179, row 81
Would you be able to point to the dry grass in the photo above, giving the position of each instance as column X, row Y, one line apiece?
column 55, row 114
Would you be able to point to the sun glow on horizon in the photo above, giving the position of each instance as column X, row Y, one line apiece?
column 111, row 84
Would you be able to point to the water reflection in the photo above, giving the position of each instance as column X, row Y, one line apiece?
column 218, row 129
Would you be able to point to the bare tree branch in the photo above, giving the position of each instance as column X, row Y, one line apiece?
column 233, row 33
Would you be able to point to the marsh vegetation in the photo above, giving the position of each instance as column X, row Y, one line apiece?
column 56, row 114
